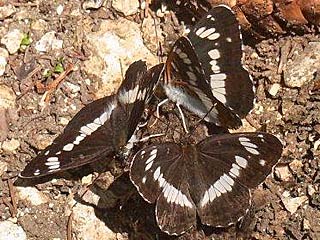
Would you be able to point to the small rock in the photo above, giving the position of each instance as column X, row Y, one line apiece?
column 59, row 9
column 32, row 195
column 152, row 38
column 310, row 190
column 12, row 40
column 6, row 11
column 10, row 145
column 11, row 231
column 74, row 88
column 302, row 69
column 126, row 7
column 39, row 25
column 7, row 97
column 3, row 60
column 4, row 126
column 48, row 42
column 283, row 173
column 3, row 167
column 86, row 225
column 86, row 179
column 64, row 121
column 274, row 89
column 296, row 166
column 92, row 4
column 292, row 204
column 316, row 145
column 306, row 224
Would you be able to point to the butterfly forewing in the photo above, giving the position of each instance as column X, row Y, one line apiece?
column 100, row 129
column 214, row 177
column 217, row 41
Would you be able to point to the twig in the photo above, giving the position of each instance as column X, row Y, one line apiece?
column 13, row 197
column 9, row 205
column 30, row 75
column 53, row 85
column 69, row 226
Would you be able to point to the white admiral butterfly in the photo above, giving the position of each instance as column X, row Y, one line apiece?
column 204, row 70
column 101, row 128
column 211, row 179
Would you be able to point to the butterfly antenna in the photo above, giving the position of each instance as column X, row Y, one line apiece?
column 121, row 70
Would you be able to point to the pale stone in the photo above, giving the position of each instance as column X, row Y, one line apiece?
column 59, row 9
column 115, row 42
column 303, row 67
column 283, row 173
column 11, row 231
column 126, row 7
column 6, row 11
column 32, row 195
column 274, row 89
column 3, row 60
column 3, row 167
column 12, row 40
column 10, row 145
column 48, row 42
column 87, row 179
column 296, row 165
column 292, row 204
column 7, row 97
column 86, row 225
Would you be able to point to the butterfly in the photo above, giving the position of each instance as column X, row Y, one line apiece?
column 204, row 74
column 211, row 180
column 101, row 128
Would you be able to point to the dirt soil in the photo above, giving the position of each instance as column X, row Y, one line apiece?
column 292, row 114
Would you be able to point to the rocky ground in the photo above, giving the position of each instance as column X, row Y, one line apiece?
column 57, row 56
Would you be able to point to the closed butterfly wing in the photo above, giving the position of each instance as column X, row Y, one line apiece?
column 214, row 178
column 217, row 41
column 185, row 84
column 100, row 129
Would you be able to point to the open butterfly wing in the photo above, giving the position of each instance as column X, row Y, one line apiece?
column 235, row 163
column 159, row 175
column 98, row 130
column 217, row 41
column 214, row 177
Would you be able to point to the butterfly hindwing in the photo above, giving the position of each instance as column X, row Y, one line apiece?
column 217, row 41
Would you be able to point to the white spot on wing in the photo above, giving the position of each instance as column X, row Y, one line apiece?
column 200, row 30
column 214, row 54
column 156, row 174
column 213, row 36
column 53, row 159
column 262, row 162
column 68, row 147
column 242, row 162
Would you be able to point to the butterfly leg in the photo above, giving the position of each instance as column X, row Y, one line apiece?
column 182, row 118
column 144, row 139
column 158, row 111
